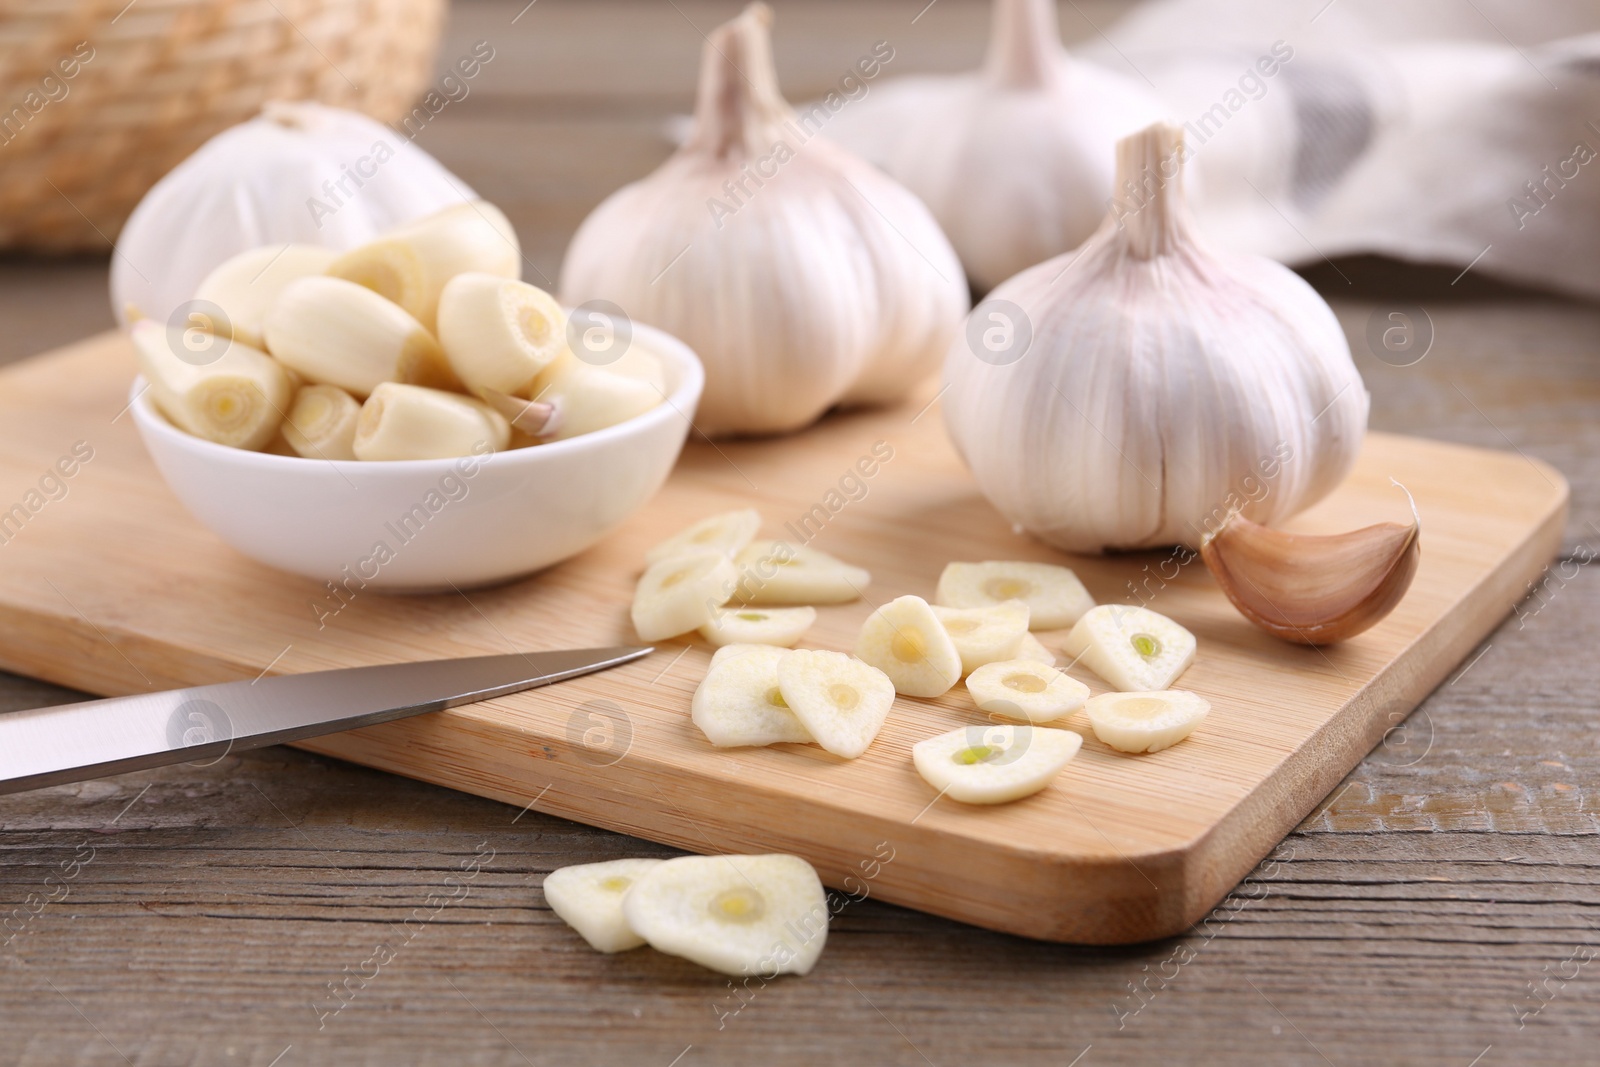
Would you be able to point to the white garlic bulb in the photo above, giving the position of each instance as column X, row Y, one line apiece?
column 801, row 275
column 1014, row 160
column 1136, row 391
column 300, row 173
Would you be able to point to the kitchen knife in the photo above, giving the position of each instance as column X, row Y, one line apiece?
column 72, row 742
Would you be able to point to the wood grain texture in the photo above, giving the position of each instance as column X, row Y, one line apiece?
column 1121, row 849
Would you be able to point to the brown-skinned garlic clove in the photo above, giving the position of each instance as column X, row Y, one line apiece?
column 1313, row 589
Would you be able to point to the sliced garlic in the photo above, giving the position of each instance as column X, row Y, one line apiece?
column 245, row 286
column 588, row 898
column 497, row 332
column 1026, row 691
column 841, row 702
column 1133, row 648
column 322, row 423
column 589, row 398
column 412, row 422
column 777, row 572
column 681, row 594
column 758, row 626
column 1145, row 722
column 1033, row 649
column 740, row 915
column 905, row 640
column 411, row 264
column 985, row 635
column 739, row 702
column 238, row 398
column 1054, row 596
column 727, row 652
column 994, row 764
column 337, row 333
column 728, row 532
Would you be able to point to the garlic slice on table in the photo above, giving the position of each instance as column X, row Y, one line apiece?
column 841, row 702
column 777, row 572
column 1014, row 160
column 1132, row 648
column 588, row 898
column 906, row 641
column 246, row 285
column 1033, row 649
column 799, row 274
column 727, row 531
column 740, row 915
column 1145, row 722
column 739, row 702
column 413, row 422
column 1055, row 597
column 987, row 634
column 237, row 398
column 994, row 764
column 1025, row 690
column 1153, row 383
column 681, row 593
column 743, row 625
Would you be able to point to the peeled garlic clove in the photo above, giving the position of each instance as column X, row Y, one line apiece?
column 758, row 626
column 411, row 264
column 1145, row 722
column 680, row 594
column 245, row 286
column 740, row 703
column 777, row 572
column 637, row 363
column 841, row 702
column 528, row 417
column 1309, row 589
column 337, row 333
column 587, row 398
column 905, row 640
column 1132, row 648
column 1027, row 691
column 985, row 635
column 728, row 532
column 1154, row 383
column 497, row 332
column 588, row 898
column 237, row 398
column 797, row 272
column 739, row 915
column 412, row 422
column 1033, row 650
column 994, row 764
column 322, row 423
column 1055, row 597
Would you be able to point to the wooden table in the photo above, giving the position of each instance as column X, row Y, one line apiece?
column 1440, row 908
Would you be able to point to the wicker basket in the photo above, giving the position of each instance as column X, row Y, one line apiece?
column 77, row 153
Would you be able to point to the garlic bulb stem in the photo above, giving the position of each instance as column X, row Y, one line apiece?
column 1150, row 171
column 738, row 106
column 1024, row 44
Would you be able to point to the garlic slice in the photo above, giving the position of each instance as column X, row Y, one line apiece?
column 1313, row 590
column 841, row 702
column 337, row 333
column 1132, row 648
column 905, row 640
column 245, row 286
column 588, row 898
column 739, row 702
column 1145, row 722
column 587, row 398
column 777, row 572
column 739, row 915
column 411, row 264
column 1027, row 691
column 322, row 423
column 758, row 626
column 238, row 398
column 1055, row 597
column 1033, row 649
column 412, row 422
column 499, row 333
column 994, row 764
column 728, row 532
column 681, row 594
column 727, row 652
column 985, row 635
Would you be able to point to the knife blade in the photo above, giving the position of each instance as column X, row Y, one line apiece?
column 74, row 742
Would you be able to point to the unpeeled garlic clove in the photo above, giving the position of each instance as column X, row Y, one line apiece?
column 1313, row 589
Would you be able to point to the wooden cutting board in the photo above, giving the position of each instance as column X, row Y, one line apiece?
column 110, row 586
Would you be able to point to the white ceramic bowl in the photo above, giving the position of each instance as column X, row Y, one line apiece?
column 427, row 525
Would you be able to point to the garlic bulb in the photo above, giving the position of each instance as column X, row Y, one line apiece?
column 1015, row 160
column 801, row 275
column 1139, row 390
column 298, row 173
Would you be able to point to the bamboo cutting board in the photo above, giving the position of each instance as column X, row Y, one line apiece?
column 109, row 586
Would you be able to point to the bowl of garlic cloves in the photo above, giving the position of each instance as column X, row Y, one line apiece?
column 408, row 415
